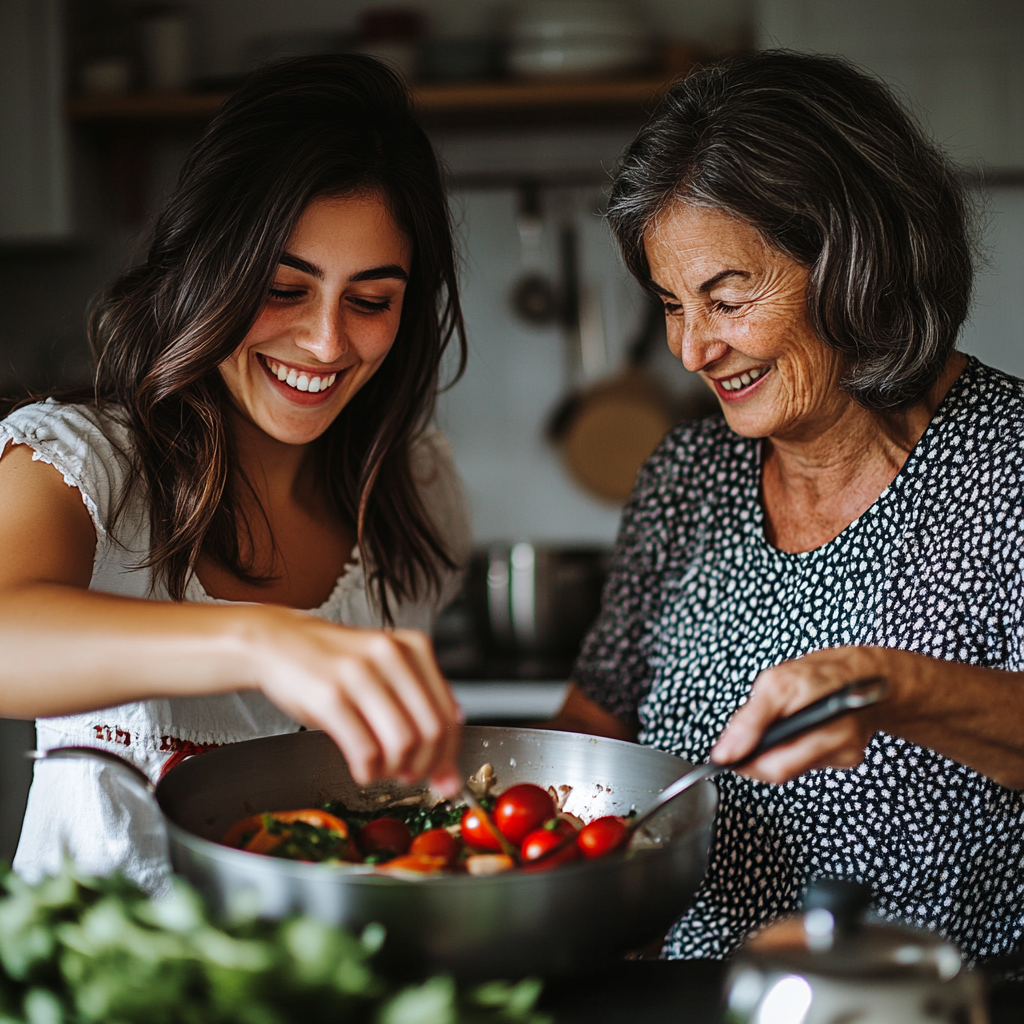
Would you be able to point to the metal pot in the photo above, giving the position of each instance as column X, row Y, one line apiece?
column 506, row 925
column 831, row 964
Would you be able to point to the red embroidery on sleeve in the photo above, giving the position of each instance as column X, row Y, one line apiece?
column 113, row 734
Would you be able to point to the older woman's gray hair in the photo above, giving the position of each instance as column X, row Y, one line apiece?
column 832, row 171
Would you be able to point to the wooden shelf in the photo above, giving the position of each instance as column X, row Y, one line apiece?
column 476, row 104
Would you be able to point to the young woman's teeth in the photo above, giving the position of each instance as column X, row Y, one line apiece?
column 300, row 381
column 744, row 379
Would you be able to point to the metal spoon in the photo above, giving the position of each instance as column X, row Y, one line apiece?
column 861, row 693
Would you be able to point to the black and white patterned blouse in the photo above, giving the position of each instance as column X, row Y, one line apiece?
column 698, row 603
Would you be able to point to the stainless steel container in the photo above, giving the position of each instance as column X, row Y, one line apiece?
column 830, row 964
column 503, row 926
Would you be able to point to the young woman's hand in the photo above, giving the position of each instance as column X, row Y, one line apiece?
column 379, row 695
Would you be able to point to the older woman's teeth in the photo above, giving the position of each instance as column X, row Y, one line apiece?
column 744, row 379
column 300, row 381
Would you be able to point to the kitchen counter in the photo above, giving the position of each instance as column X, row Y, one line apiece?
column 682, row 992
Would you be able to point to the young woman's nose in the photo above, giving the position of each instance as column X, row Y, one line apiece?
column 692, row 340
column 323, row 333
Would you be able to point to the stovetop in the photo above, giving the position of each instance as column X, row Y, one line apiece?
column 683, row 992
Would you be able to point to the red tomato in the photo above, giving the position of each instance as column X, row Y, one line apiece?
column 522, row 809
column 384, row 835
column 435, row 842
column 477, row 832
column 601, row 836
column 538, row 842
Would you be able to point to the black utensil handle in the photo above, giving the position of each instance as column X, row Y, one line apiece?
column 861, row 693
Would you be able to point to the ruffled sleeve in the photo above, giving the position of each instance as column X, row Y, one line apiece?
column 88, row 448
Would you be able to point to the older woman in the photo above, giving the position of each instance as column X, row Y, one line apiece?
column 856, row 510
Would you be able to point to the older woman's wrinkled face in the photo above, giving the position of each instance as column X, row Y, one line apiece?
column 737, row 314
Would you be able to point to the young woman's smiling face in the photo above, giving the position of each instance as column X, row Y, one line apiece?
column 329, row 320
column 737, row 314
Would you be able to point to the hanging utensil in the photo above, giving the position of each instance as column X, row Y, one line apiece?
column 534, row 297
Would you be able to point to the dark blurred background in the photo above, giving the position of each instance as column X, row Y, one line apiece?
column 100, row 101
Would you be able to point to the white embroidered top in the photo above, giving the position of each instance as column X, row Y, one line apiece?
column 84, row 808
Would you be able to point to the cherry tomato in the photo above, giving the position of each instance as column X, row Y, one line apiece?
column 522, row 809
column 601, row 836
column 538, row 842
column 435, row 842
column 477, row 832
column 384, row 835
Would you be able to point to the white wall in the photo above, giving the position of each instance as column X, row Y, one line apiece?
column 960, row 63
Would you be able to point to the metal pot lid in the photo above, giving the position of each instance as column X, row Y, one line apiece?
column 833, row 937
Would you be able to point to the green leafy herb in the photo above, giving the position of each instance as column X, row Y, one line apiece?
column 78, row 950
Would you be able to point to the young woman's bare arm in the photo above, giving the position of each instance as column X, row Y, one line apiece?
column 67, row 649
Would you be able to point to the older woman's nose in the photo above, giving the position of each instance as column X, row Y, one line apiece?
column 693, row 341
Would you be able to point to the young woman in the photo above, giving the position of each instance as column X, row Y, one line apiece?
column 246, row 525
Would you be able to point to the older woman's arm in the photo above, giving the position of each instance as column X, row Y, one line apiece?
column 970, row 714
column 580, row 714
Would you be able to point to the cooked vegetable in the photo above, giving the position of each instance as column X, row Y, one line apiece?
column 521, row 809
column 542, row 842
column 478, row 832
column 384, row 836
column 77, row 950
column 602, row 836
column 436, row 842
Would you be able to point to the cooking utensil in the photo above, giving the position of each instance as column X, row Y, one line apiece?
column 608, row 430
column 861, row 693
column 534, row 298
column 829, row 964
column 499, row 926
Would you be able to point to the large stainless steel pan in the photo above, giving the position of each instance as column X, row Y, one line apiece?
column 505, row 925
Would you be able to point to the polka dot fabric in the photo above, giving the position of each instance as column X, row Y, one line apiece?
column 698, row 603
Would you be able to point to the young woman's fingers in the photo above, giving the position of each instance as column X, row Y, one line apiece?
column 441, row 766
column 394, row 729
column 342, row 721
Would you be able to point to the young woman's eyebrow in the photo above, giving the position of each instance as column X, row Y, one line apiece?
column 297, row 263
column 379, row 273
column 372, row 274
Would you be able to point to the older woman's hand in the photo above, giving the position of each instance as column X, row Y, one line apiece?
column 970, row 714
column 785, row 689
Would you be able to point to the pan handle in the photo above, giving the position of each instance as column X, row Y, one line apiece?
column 136, row 776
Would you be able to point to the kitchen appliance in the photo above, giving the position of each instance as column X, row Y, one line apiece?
column 500, row 926
column 830, row 963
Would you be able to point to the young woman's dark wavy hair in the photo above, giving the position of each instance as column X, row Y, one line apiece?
column 295, row 131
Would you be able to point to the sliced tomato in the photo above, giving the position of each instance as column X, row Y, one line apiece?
column 521, row 809
column 436, row 842
column 602, row 836
column 421, row 863
column 477, row 832
column 539, row 842
column 264, row 841
column 384, row 835
column 313, row 816
column 242, row 831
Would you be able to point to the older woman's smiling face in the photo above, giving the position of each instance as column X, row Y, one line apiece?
column 737, row 314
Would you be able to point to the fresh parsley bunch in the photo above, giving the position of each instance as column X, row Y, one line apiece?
column 79, row 950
